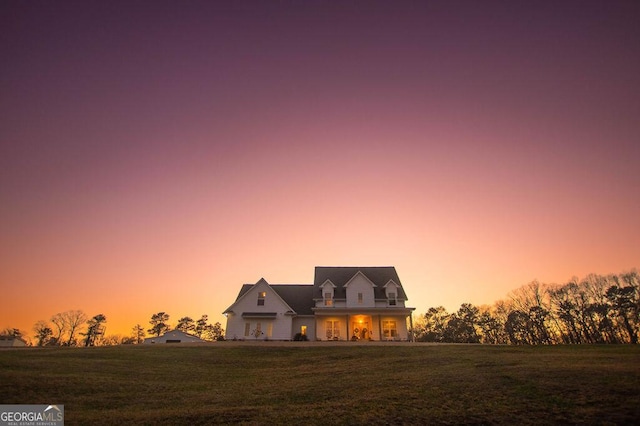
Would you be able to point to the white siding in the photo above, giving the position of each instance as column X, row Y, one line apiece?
column 308, row 321
column 360, row 284
column 280, row 326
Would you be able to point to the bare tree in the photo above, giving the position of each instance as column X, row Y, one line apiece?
column 73, row 320
column 60, row 325
column 624, row 303
column 595, row 309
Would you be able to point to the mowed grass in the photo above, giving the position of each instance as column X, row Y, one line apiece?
column 298, row 383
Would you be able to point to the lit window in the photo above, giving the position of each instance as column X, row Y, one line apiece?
column 328, row 301
column 389, row 330
column 269, row 329
column 333, row 330
column 261, row 296
column 360, row 298
column 303, row 330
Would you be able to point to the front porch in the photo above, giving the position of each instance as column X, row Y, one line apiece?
column 333, row 325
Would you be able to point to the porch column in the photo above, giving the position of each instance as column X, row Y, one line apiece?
column 348, row 337
column 413, row 338
column 379, row 327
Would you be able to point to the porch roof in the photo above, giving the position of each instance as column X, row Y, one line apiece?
column 259, row 314
column 329, row 311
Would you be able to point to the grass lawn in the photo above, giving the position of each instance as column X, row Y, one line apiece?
column 304, row 383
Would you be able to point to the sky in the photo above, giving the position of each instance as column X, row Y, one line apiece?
column 155, row 156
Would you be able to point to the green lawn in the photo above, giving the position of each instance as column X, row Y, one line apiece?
column 299, row 383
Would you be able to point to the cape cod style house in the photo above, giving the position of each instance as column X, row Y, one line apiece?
column 343, row 303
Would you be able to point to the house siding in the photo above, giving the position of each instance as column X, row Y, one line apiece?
column 360, row 284
column 308, row 321
column 277, row 328
column 358, row 312
column 270, row 329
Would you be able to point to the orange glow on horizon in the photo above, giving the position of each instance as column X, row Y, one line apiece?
column 472, row 153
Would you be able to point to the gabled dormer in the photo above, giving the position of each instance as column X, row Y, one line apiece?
column 258, row 299
column 391, row 291
column 360, row 291
column 328, row 291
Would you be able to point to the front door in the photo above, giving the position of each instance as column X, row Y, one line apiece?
column 361, row 329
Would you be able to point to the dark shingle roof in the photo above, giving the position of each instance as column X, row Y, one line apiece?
column 298, row 296
column 340, row 275
column 245, row 288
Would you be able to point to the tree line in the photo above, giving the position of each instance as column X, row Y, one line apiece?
column 75, row 328
column 595, row 309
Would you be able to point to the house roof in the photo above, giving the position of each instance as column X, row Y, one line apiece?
column 259, row 314
column 340, row 275
column 299, row 297
column 11, row 340
column 173, row 334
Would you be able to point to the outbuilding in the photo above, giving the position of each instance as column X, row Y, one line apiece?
column 174, row 336
column 7, row 340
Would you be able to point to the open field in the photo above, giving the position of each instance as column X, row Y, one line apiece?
column 322, row 383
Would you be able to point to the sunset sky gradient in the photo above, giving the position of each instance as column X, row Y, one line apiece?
column 154, row 156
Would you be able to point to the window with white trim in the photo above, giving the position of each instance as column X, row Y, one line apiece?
column 360, row 298
column 392, row 299
column 328, row 299
column 333, row 330
column 247, row 329
column 389, row 330
column 261, row 296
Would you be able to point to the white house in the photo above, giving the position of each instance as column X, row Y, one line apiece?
column 343, row 303
column 174, row 336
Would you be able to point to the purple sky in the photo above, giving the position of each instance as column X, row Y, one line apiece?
column 149, row 149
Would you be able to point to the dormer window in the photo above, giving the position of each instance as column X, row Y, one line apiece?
column 392, row 299
column 261, row 296
column 360, row 298
column 328, row 299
